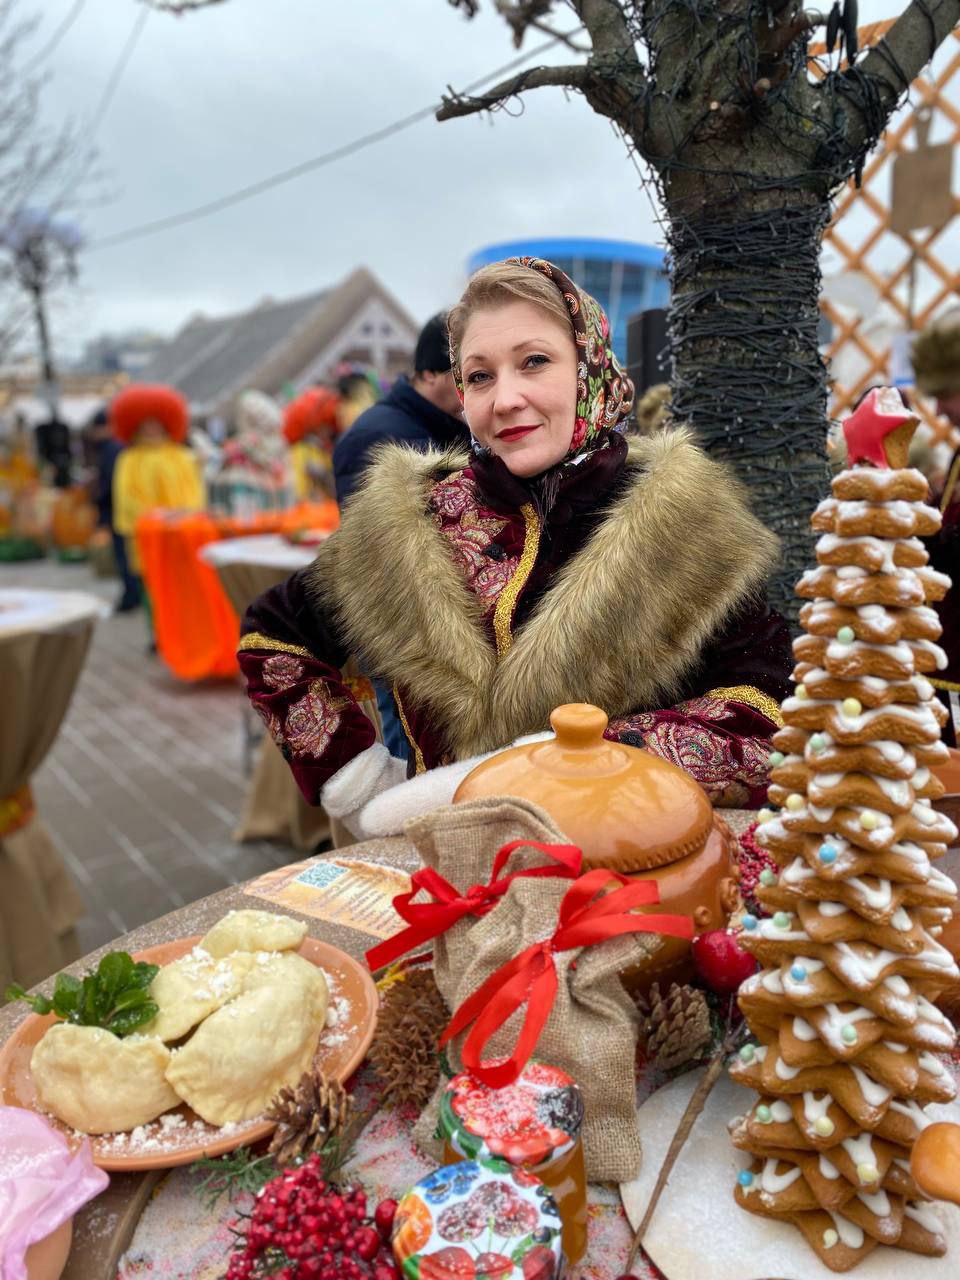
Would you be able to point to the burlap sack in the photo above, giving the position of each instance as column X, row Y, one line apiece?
column 592, row 1030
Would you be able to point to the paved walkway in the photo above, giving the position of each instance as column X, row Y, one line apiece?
column 144, row 785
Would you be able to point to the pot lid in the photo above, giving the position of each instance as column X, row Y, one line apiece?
column 626, row 808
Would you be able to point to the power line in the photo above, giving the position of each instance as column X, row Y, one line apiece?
column 117, row 74
column 318, row 162
column 55, row 39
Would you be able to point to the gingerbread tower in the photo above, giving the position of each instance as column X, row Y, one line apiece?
column 845, row 1037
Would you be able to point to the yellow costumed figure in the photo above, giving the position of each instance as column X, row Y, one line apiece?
column 155, row 469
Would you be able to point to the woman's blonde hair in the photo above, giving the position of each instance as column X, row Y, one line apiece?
column 497, row 285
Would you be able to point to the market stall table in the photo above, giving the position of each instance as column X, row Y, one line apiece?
column 44, row 637
column 178, row 1235
column 195, row 625
column 274, row 808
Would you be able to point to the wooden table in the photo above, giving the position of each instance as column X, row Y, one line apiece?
column 103, row 1228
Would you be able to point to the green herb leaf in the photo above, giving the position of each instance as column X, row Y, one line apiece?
column 126, row 1020
column 143, row 974
column 39, row 1004
column 116, row 996
column 114, row 972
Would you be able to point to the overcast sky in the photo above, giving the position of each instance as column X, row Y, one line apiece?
column 226, row 96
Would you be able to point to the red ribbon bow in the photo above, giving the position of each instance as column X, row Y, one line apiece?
column 429, row 919
column 587, row 915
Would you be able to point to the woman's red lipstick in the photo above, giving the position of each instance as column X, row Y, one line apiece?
column 515, row 433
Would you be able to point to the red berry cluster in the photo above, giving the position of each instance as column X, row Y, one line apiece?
column 302, row 1226
column 753, row 861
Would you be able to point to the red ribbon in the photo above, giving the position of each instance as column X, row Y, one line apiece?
column 587, row 915
column 428, row 920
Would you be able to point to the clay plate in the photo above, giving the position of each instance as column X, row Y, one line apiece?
column 342, row 1048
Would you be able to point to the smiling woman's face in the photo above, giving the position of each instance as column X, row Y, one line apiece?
column 519, row 368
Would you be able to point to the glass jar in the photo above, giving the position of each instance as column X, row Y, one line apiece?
column 478, row 1217
column 534, row 1124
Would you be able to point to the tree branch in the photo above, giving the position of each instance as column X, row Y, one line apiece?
column 571, row 77
column 896, row 60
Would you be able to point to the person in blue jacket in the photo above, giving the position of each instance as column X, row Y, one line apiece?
column 422, row 411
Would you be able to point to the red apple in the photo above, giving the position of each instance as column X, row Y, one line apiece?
column 720, row 963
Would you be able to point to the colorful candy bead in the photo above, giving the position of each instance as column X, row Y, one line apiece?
column 802, row 692
column 828, row 853
column 745, row 1178
column 794, row 802
column 768, row 878
column 765, row 815
column 817, row 742
column 823, row 1126
column 798, row 973
column 747, row 1052
column 868, row 1173
column 846, row 635
column 851, row 707
column 830, row 1238
column 764, row 1114
column 781, row 920
column 750, row 922
column 869, row 820
column 848, row 1034
column 775, row 759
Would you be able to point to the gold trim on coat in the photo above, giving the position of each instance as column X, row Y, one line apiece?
column 503, row 614
column 417, row 753
column 256, row 640
column 750, row 697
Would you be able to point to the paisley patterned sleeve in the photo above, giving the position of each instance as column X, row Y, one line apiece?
column 291, row 657
column 719, row 731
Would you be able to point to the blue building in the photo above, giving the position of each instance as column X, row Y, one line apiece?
column 623, row 276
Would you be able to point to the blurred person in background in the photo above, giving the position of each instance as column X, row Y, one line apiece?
column 358, row 389
column 254, row 473
column 54, row 451
column 936, row 366
column 310, row 427
column 106, row 448
column 155, row 468
column 423, row 412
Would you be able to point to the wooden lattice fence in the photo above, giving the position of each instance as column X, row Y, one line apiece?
column 861, row 242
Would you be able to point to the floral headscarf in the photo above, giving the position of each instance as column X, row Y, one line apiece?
column 604, row 392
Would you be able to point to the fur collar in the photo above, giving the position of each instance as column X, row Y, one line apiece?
column 623, row 622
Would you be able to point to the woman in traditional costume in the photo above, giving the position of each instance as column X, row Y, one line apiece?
column 254, row 473
column 310, row 427
column 155, row 468
column 561, row 561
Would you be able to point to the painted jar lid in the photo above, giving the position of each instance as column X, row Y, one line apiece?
column 478, row 1218
column 534, row 1120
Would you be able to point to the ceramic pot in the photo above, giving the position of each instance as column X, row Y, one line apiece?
column 629, row 811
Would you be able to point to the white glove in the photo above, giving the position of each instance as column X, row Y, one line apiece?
column 388, row 810
column 345, row 794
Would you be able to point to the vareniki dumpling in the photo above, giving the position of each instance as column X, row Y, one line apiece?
column 238, row 1059
column 286, row 968
column 98, row 1083
column 253, row 931
column 192, row 987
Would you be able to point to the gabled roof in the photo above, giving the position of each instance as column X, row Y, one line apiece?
column 212, row 359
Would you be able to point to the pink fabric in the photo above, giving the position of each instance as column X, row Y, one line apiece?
column 42, row 1184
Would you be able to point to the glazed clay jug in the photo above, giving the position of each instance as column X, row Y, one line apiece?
column 628, row 810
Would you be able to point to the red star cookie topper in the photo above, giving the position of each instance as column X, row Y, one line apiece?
column 879, row 430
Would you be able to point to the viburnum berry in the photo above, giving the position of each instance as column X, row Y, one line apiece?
column 383, row 1217
column 303, row 1227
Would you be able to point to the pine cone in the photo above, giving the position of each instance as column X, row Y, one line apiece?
column 307, row 1116
column 674, row 1029
column 404, row 1050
